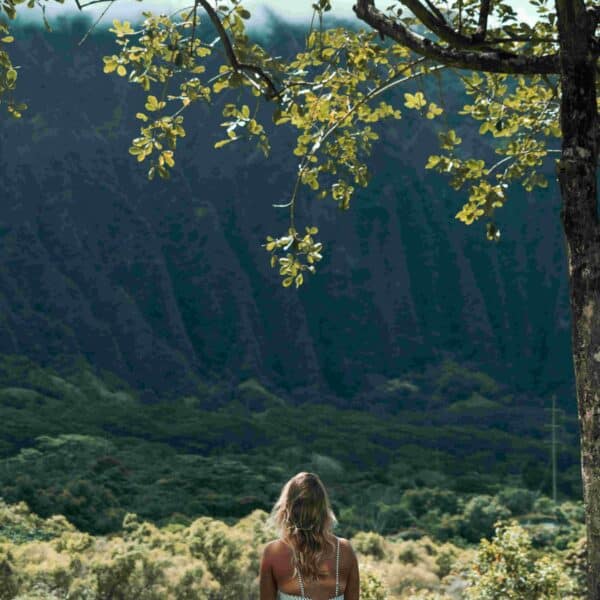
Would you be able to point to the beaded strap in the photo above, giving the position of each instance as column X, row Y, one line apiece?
column 337, row 565
column 300, row 578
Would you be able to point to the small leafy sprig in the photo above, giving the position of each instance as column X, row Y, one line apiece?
column 302, row 254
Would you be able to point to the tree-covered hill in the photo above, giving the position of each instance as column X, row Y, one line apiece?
column 445, row 456
column 167, row 285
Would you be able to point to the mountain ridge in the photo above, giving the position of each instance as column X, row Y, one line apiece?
column 165, row 283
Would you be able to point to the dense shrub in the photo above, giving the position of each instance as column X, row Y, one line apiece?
column 518, row 500
column 576, row 565
column 369, row 543
column 479, row 515
column 8, row 580
column 508, row 568
column 421, row 500
column 371, row 588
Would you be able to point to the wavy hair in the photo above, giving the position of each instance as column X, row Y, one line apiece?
column 303, row 517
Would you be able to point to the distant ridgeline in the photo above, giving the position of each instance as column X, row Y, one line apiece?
column 166, row 283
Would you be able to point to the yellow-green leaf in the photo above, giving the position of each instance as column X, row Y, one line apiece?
column 153, row 104
column 433, row 161
column 416, row 101
column 433, row 110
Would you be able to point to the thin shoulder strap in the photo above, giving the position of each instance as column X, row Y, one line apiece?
column 337, row 568
column 299, row 575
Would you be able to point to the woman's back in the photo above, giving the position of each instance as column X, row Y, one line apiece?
column 337, row 596
column 341, row 567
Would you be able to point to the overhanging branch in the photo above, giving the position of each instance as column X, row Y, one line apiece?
column 436, row 11
column 439, row 27
column 493, row 61
column 231, row 56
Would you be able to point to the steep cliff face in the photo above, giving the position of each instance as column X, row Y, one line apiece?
column 166, row 282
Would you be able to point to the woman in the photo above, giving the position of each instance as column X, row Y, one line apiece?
column 302, row 563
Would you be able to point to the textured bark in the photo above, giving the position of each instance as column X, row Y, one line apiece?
column 577, row 176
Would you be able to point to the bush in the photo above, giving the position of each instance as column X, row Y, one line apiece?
column 369, row 543
column 573, row 511
column 403, row 576
column 8, row 581
column 576, row 565
column 445, row 559
column 507, row 567
column 421, row 500
column 417, row 552
column 518, row 500
column 545, row 506
column 479, row 515
column 209, row 540
column 371, row 587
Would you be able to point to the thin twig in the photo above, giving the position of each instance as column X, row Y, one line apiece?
column 85, row 37
column 512, row 156
column 194, row 27
column 82, row 6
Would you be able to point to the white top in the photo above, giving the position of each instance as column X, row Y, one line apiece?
column 283, row 596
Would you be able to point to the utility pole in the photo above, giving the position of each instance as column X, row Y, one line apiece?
column 554, row 443
column 554, row 448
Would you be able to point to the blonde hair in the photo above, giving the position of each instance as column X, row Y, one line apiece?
column 303, row 516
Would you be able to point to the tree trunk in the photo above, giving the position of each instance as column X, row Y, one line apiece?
column 578, row 184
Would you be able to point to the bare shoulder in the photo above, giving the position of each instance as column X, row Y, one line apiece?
column 346, row 550
column 272, row 548
column 345, row 543
column 276, row 550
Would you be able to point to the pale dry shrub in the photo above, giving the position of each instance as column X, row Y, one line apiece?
column 40, row 564
column 446, row 559
column 401, row 576
column 418, row 552
column 369, row 543
column 416, row 594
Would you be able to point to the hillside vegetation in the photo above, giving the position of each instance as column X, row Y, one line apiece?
column 209, row 560
column 169, row 498
column 417, row 455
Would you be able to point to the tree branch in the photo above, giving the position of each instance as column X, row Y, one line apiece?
column 483, row 19
column 493, row 61
column 440, row 28
column 82, row 6
column 231, row 56
column 436, row 11
column 594, row 12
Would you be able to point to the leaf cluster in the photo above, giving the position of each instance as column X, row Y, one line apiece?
column 8, row 71
column 302, row 252
column 521, row 116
